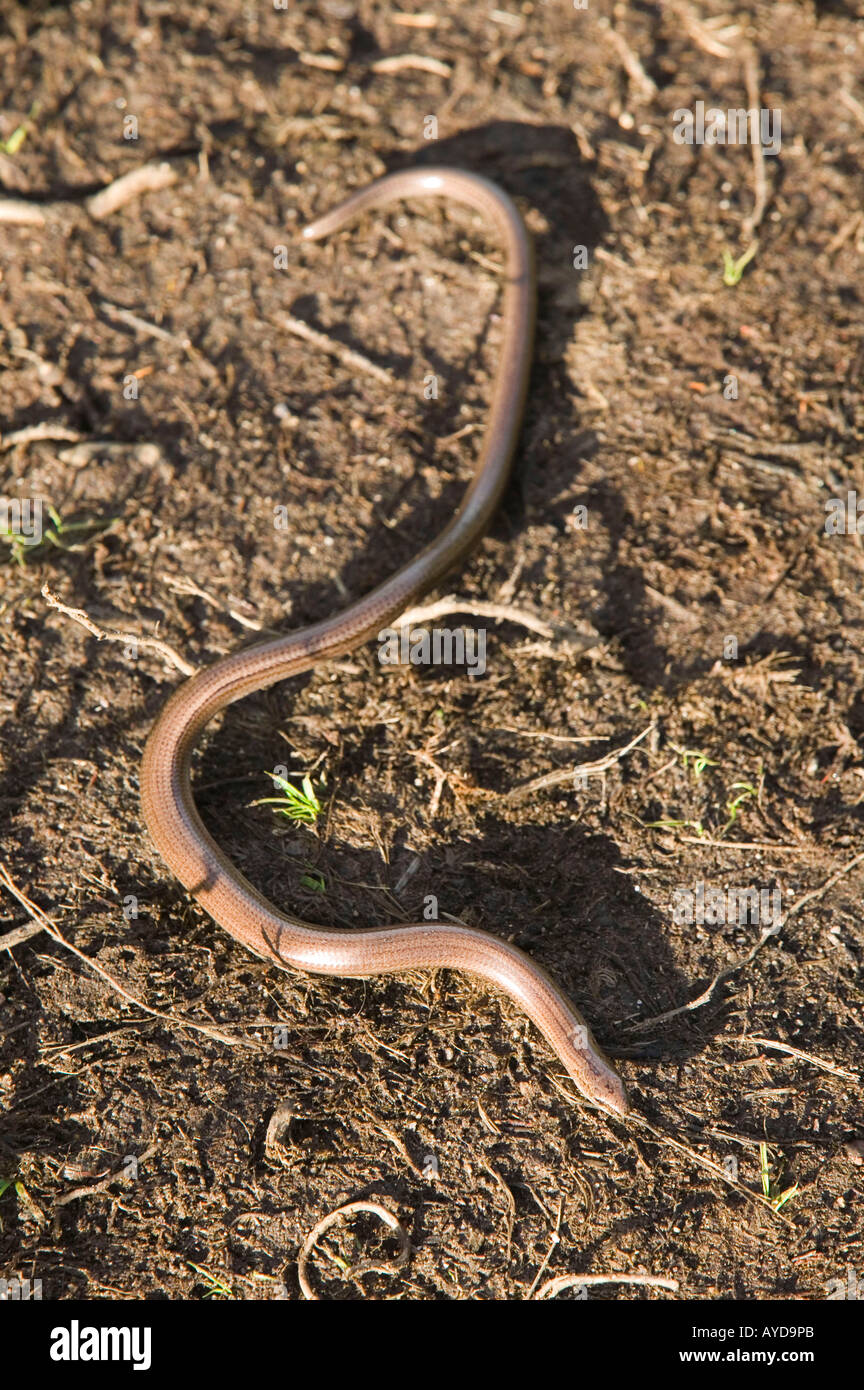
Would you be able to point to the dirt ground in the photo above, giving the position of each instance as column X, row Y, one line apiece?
column 702, row 427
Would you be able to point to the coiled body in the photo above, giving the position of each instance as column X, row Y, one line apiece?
column 167, row 801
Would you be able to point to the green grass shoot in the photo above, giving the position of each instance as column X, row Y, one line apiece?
column 732, row 269
column 216, row 1287
column 61, row 534
column 769, row 1192
column 297, row 803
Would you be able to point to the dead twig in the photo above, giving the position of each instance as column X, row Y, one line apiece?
column 499, row 612
column 346, row 355
column 852, row 104
column 594, row 769
column 46, row 430
column 151, row 330
column 393, row 1137
column 510, row 1200
column 707, row 34
column 829, row 883
column 126, row 638
column 181, row 585
column 126, row 1174
column 148, row 178
column 738, row 844
column 707, row 994
column 325, row 62
column 760, row 202
column 18, row 935
column 19, row 213
column 148, row 454
column 367, row 1267
column 417, row 21
column 552, row 1287
column 796, row 1052
column 559, row 738
column 645, row 85
column 417, row 62
column 441, row 780
column 850, row 226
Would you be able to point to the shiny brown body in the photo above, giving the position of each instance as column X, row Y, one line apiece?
column 167, row 800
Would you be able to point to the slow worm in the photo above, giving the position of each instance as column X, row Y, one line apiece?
column 166, row 790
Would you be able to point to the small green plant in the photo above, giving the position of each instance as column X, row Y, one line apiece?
column 297, row 803
column 732, row 269
column 17, row 1186
column 314, row 880
column 5, row 1184
column 216, row 1287
column 59, row 534
column 19, row 135
column 20, row 1189
column 699, row 760
column 746, row 792
column 694, row 825
column 769, row 1192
